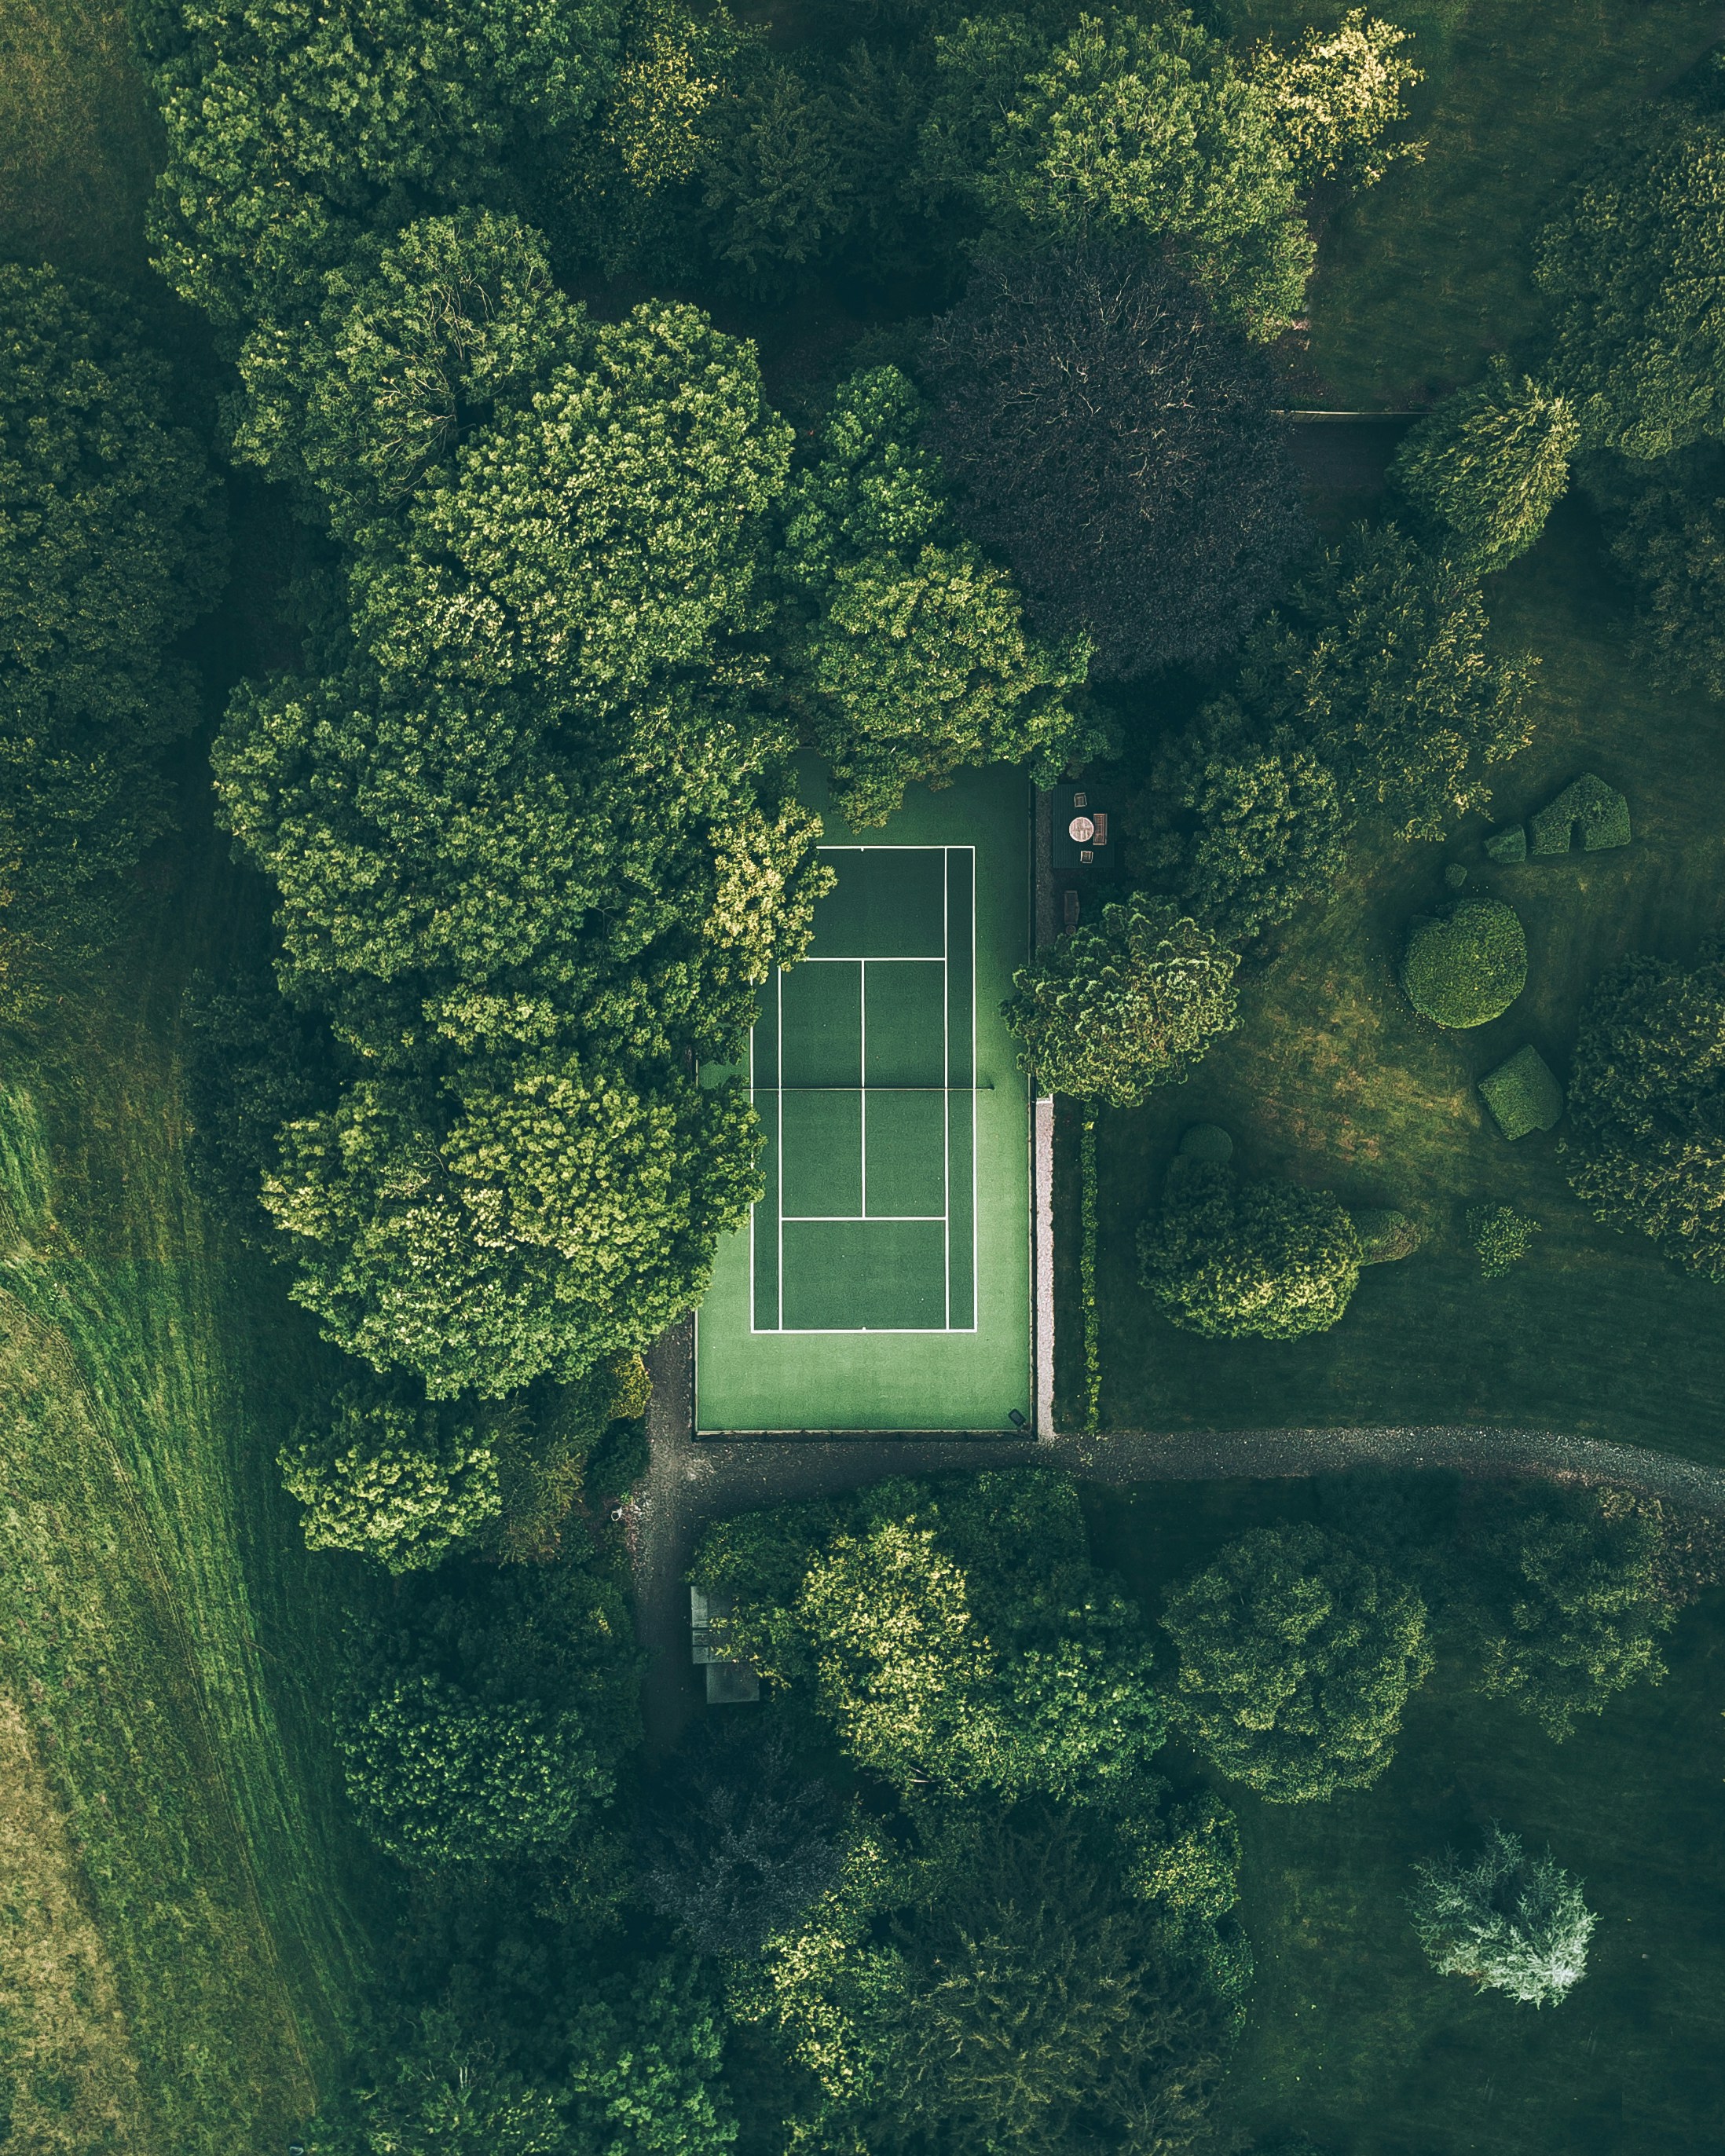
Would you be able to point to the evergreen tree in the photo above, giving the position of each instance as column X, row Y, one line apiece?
column 1296, row 1660
column 1486, row 468
column 1130, row 1003
column 1512, row 1922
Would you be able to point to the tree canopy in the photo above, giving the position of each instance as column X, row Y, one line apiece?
column 1486, row 468
column 1123, row 1004
column 1512, row 1922
column 111, row 543
column 1116, row 442
column 1646, row 1148
column 1297, row 1659
column 1235, row 1259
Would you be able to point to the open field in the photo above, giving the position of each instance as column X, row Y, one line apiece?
column 1425, row 275
column 1334, row 1078
column 1351, row 2038
column 164, row 1629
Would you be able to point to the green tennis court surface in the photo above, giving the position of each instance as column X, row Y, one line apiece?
column 883, row 1282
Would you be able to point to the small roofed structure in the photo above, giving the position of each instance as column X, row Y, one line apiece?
column 729, row 1680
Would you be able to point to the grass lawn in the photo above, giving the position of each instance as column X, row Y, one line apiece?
column 1351, row 2039
column 1427, row 273
column 1333, row 1078
column 165, row 1633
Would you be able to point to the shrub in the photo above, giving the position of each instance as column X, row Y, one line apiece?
column 1386, row 1236
column 392, row 1477
column 1511, row 1921
column 1296, row 1659
column 1522, row 1094
column 1486, row 467
column 620, row 1459
column 1598, row 809
column 1502, row 1237
column 1127, row 1004
column 1336, row 95
column 1466, row 967
column 1231, row 1259
column 1648, row 1107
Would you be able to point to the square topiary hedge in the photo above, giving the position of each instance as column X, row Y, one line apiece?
column 1522, row 1094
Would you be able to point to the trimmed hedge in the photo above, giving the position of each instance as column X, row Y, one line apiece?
column 1466, row 967
column 1601, row 811
column 1522, row 1094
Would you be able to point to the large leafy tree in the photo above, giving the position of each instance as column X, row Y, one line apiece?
column 1143, row 131
column 1487, row 467
column 645, row 2068
column 955, row 1635
column 1126, row 1003
column 1647, row 1106
column 1667, row 523
column 1296, row 1657
column 1381, row 663
column 910, row 656
column 1117, row 444
column 110, row 544
column 1337, row 94
column 1241, row 823
column 1236, row 1258
column 1634, row 270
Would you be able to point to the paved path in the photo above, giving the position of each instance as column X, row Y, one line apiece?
column 691, row 1482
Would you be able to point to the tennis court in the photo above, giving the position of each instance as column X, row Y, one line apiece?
column 882, row 1282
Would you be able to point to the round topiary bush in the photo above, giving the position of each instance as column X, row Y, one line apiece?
column 1467, row 966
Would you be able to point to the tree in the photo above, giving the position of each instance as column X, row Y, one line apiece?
column 1646, row 1148
column 1232, row 1259
column 645, row 2070
column 1116, row 444
column 1147, row 132
column 1572, row 1603
column 1336, row 95
column 1512, row 1922
column 111, row 543
column 1665, row 521
column 1380, row 664
column 1634, row 271
column 773, row 179
column 1501, row 1235
column 389, row 1477
column 440, row 1777
column 436, row 2093
column 1041, row 2009
column 1296, row 1660
column 1241, row 826
column 1118, row 1008
column 915, row 658
column 1487, row 466
column 292, row 135
column 552, row 1216
column 740, row 1843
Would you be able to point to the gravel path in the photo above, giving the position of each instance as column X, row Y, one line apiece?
column 689, row 1483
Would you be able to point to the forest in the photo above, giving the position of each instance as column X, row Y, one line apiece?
column 459, row 461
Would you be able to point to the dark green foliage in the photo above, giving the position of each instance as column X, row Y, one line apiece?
column 1115, row 1009
column 913, row 659
column 1588, row 805
column 111, row 542
column 1666, row 521
column 1522, row 1094
column 436, row 2093
column 1647, row 1104
column 1466, row 967
column 384, row 1473
column 1117, row 445
column 1380, row 663
column 486, row 1716
column 1233, row 1259
column 1386, row 1236
column 953, row 1633
column 740, row 1841
column 1147, row 132
column 1241, row 826
column 1486, row 468
column 1501, row 1235
column 619, row 1458
column 645, row 2065
column 1575, row 1596
column 1633, row 271
column 1042, row 2010
column 1513, row 1922
column 1297, row 1659
column 1508, row 845
column 773, row 179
